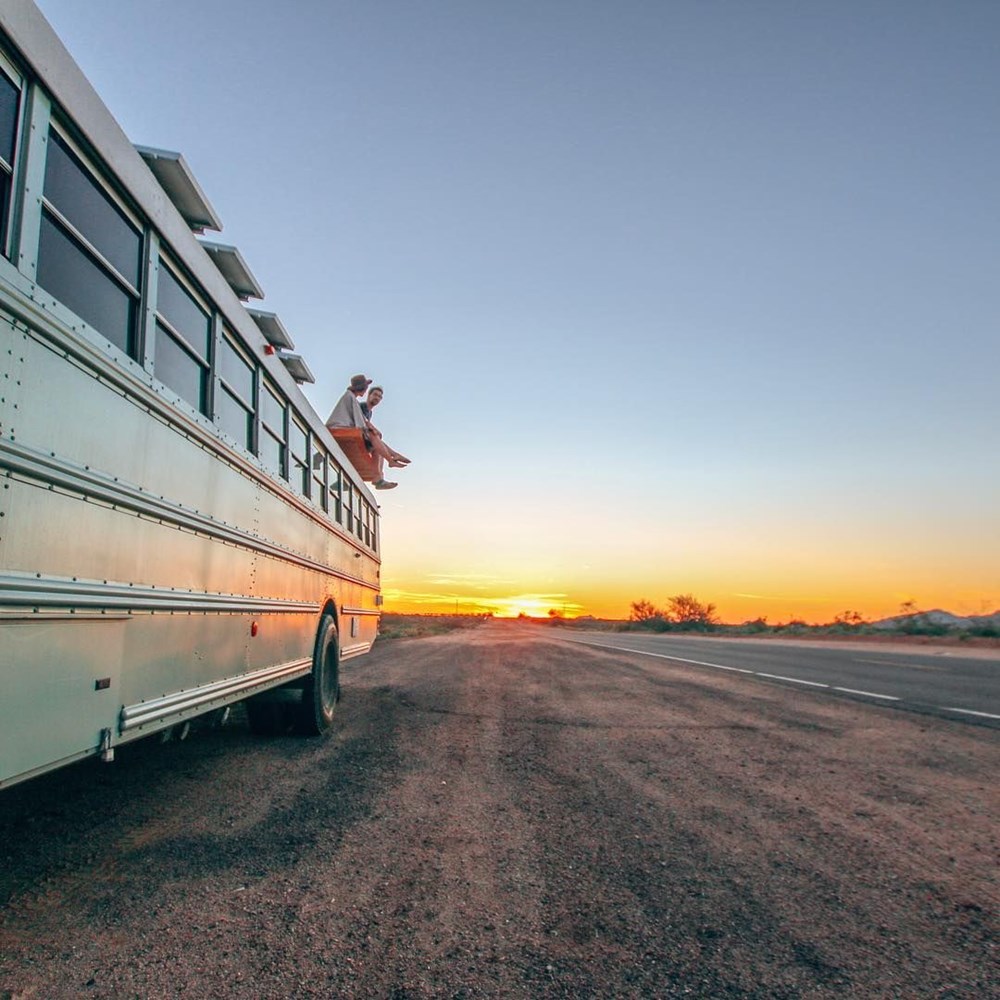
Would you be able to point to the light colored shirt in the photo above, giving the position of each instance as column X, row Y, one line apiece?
column 347, row 413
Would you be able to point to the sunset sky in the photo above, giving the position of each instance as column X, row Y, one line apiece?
column 667, row 296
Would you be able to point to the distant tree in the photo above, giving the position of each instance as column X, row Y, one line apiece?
column 849, row 620
column 687, row 611
column 643, row 611
column 756, row 625
column 909, row 607
column 645, row 615
column 793, row 625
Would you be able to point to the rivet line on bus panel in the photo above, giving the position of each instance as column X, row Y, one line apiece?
column 40, row 467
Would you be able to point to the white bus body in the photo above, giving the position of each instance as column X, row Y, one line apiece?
column 178, row 530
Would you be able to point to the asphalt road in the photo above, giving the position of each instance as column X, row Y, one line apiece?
column 500, row 813
column 951, row 682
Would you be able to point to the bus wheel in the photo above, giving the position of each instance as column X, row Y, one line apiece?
column 322, row 690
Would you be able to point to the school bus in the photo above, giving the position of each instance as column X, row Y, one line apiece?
column 178, row 529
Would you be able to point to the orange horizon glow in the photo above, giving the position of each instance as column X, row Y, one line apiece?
column 734, row 609
column 499, row 561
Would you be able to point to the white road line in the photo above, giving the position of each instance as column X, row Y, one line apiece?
column 968, row 711
column 794, row 680
column 867, row 694
column 900, row 663
column 662, row 656
column 777, row 677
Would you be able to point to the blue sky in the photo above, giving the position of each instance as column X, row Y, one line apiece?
column 666, row 296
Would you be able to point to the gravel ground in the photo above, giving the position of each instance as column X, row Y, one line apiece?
column 501, row 814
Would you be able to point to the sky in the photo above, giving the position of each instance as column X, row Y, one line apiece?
column 667, row 296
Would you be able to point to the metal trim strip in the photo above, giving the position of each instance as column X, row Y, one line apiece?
column 157, row 709
column 359, row 611
column 53, row 592
column 348, row 652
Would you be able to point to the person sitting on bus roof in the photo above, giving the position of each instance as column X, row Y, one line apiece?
column 348, row 413
column 393, row 457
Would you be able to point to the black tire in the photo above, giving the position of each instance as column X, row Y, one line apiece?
column 322, row 688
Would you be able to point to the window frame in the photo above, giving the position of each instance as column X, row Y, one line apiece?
column 301, row 480
column 160, row 321
column 83, row 244
column 268, row 385
column 10, row 170
column 228, row 338
column 320, row 463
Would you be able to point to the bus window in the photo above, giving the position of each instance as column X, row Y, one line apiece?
column 183, row 337
column 298, row 447
column 235, row 403
column 348, row 495
column 10, row 100
column 273, row 432
column 336, row 504
column 359, row 527
column 368, row 525
column 89, row 254
column 320, row 465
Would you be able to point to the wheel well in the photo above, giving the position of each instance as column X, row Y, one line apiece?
column 331, row 609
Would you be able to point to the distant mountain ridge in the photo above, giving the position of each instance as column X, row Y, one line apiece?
column 937, row 619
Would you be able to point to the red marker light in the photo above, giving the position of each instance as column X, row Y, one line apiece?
column 269, row 349
column 253, row 628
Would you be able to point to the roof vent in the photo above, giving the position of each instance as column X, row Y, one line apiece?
column 179, row 184
column 297, row 368
column 274, row 332
column 234, row 269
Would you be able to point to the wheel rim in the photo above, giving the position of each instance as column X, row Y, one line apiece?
column 329, row 676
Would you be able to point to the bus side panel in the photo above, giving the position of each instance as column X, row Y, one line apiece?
column 60, row 690
column 65, row 409
column 165, row 653
column 67, row 536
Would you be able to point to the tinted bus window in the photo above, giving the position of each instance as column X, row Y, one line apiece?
column 347, row 493
column 298, row 446
column 71, row 275
column 235, row 419
column 234, row 406
column 89, row 254
column 272, row 412
column 320, row 464
column 185, row 316
column 336, row 478
column 180, row 354
column 272, row 434
column 83, row 203
column 178, row 369
column 236, row 372
column 9, row 102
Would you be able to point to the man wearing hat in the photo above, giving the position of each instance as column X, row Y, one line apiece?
column 347, row 413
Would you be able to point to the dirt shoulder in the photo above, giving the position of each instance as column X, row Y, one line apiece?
column 504, row 814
